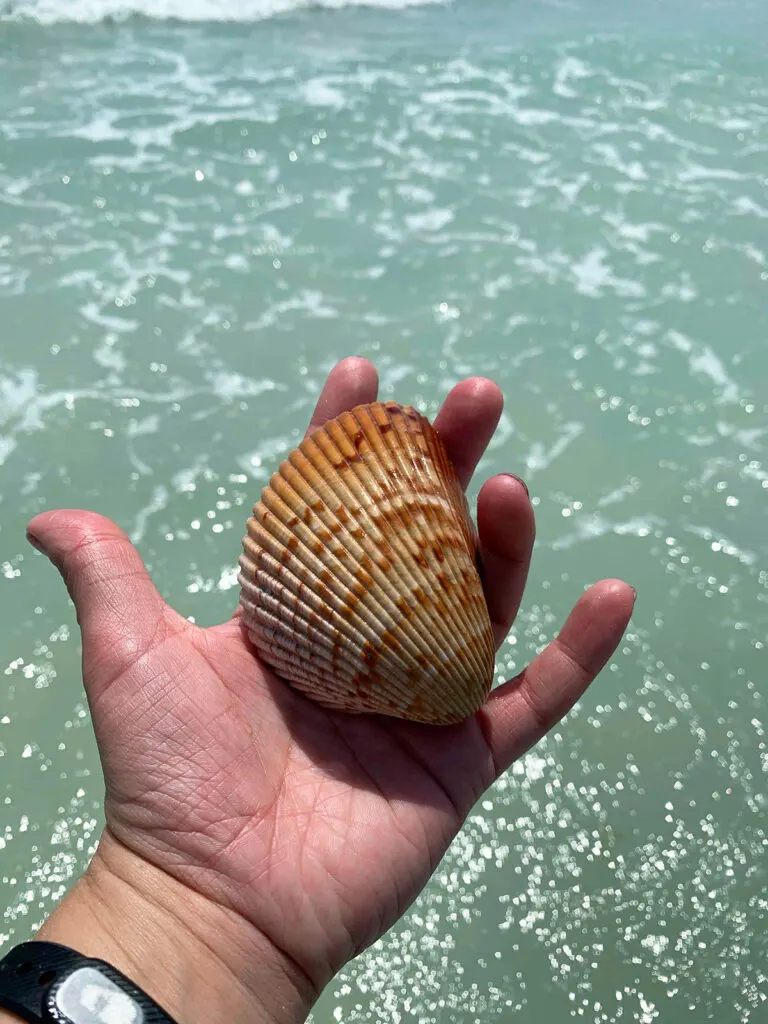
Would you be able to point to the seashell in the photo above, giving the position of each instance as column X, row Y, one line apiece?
column 358, row 575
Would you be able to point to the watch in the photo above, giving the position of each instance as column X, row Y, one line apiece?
column 45, row 983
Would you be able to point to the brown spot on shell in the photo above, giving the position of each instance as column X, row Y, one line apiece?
column 365, row 580
column 369, row 654
column 388, row 639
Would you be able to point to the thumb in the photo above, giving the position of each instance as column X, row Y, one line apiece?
column 120, row 612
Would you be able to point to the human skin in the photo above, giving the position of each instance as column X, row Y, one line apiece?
column 255, row 842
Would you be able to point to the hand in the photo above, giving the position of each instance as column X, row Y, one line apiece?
column 281, row 839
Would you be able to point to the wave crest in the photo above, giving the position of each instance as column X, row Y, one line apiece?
column 48, row 12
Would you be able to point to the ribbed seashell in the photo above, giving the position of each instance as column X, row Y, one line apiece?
column 359, row 584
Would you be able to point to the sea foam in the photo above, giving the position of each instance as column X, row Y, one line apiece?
column 93, row 11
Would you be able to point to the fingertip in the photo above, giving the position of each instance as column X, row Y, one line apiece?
column 358, row 372
column 598, row 620
column 36, row 543
column 60, row 528
column 352, row 381
column 504, row 513
column 479, row 391
column 467, row 420
column 503, row 490
column 36, row 530
column 613, row 585
column 481, row 386
column 615, row 592
column 38, row 526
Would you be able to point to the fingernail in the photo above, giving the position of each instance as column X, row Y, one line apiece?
column 36, row 543
column 522, row 482
column 634, row 594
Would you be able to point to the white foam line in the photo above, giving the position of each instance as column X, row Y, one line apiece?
column 47, row 12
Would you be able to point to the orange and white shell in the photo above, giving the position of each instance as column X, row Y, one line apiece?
column 358, row 576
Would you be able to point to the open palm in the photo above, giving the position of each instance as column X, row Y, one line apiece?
column 318, row 828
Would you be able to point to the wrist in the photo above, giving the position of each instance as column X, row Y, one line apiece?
column 199, row 961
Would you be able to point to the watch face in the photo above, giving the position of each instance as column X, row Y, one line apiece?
column 87, row 996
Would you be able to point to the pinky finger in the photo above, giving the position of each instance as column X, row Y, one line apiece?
column 521, row 711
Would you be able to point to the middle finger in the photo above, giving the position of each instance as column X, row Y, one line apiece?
column 466, row 422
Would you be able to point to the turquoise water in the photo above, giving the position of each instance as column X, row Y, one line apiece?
column 200, row 216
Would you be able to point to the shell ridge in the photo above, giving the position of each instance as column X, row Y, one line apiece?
column 296, row 667
column 476, row 609
column 460, row 643
column 408, row 437
column 371, row 548
column 302, row 672
column 291, row 665
column 366, row 546
column 403, row 540
column 341, row 663
column 356, row 485
column 299, row 615
column 419, row 580
column 403, row 424
column 400, row 661
column 436, row 635
column 479, row 615
column 359, row 581
column 347, row 584
column 333, row 603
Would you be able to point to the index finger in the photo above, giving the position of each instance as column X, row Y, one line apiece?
column 353, row 381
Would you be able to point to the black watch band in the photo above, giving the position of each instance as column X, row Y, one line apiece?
column 44, row 983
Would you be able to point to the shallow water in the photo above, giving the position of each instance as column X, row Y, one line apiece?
column 199, row 218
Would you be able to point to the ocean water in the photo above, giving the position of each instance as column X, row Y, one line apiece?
column 203, row 205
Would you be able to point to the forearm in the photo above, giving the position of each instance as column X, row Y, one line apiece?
column 202, row 964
